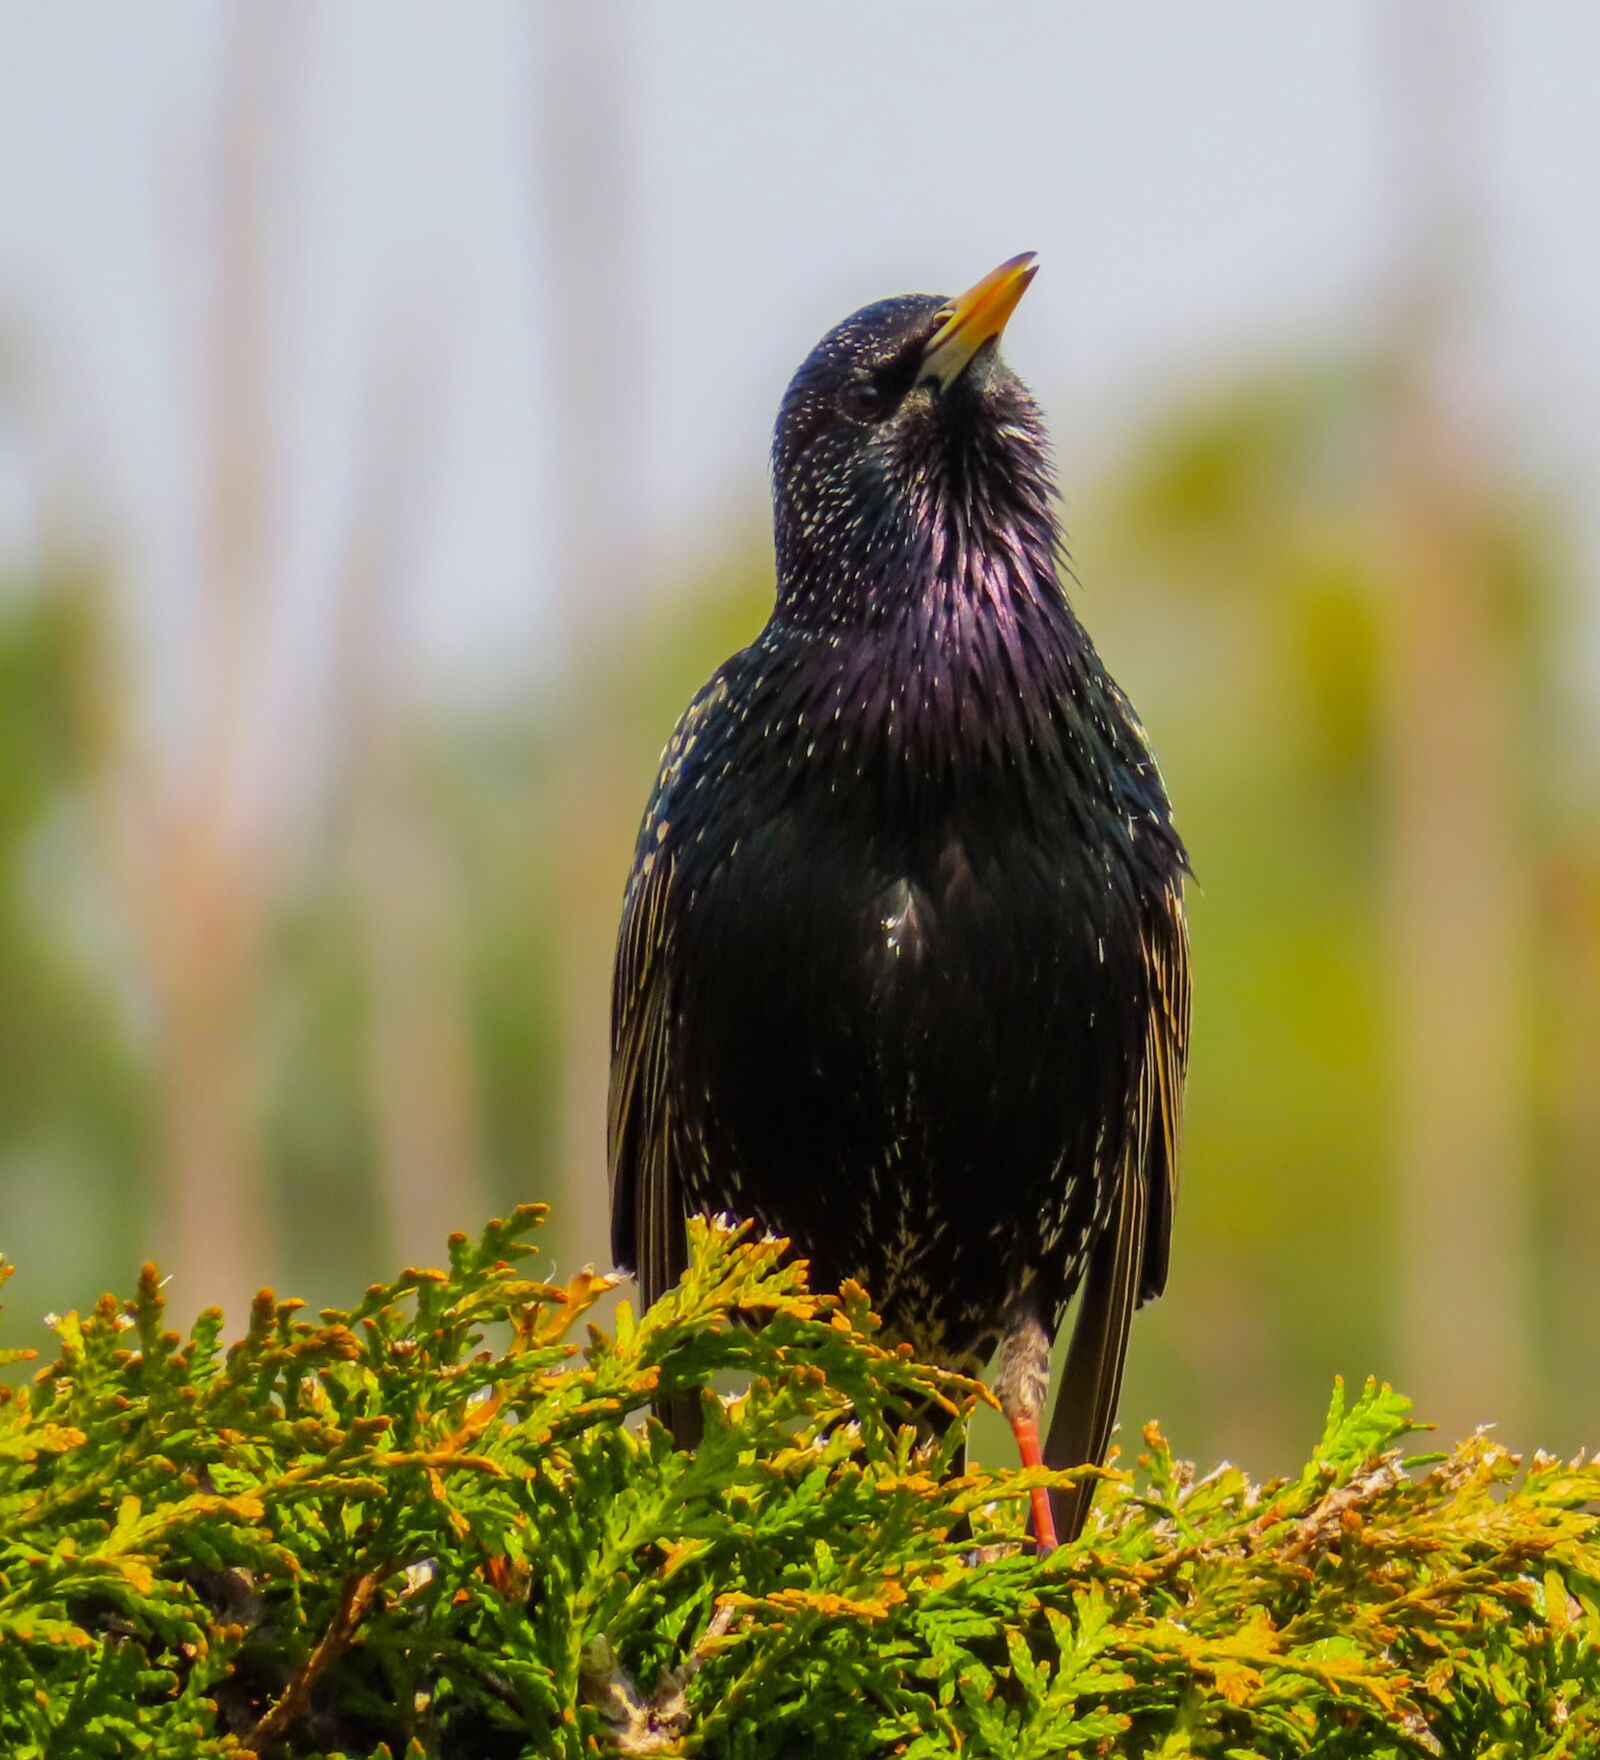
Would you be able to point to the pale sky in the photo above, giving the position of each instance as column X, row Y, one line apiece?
column 1204, row 182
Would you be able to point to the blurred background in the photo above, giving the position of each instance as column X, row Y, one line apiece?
column 384, row 397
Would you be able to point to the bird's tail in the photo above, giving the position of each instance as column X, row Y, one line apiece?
column 1086, row 1406
column 683, row 1417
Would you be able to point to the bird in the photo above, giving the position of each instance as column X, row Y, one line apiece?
column 902, row 973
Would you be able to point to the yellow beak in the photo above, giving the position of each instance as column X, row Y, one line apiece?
column 979, row 314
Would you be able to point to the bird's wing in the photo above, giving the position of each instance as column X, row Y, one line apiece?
column 647, row 1225
column 1128, row 1262
column 1166, row 958
column 647, row 1219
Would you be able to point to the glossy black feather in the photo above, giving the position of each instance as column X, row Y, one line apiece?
column 902, row 971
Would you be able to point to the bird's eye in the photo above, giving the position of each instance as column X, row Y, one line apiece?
column 864, row 400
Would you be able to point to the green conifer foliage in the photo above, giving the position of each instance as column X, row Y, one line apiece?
column 435, row 1526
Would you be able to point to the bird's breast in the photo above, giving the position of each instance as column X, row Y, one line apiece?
column 906, row 804
column 911, row 946
column 907, row 991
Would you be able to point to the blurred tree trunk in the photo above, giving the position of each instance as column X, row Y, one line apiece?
column 1457, row 878
column 193, row 824
column 424, row 1087
column 203, row 883
column 594, row 391
column 1570, row 918
column 422, row 1080
column 1458, row 913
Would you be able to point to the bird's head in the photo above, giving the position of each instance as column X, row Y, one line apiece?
column 907, row 451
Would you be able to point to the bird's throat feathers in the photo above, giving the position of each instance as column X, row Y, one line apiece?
column 960, row 650
column 972, row 533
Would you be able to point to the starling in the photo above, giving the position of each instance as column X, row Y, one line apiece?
column 902, row 972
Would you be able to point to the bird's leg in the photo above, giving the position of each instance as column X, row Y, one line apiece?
column 1021, row 1386
column 1026, row 1431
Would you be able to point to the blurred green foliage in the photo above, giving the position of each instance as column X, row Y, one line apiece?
column 424, row 1526
column 75, row 1100
column 1240, row 573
